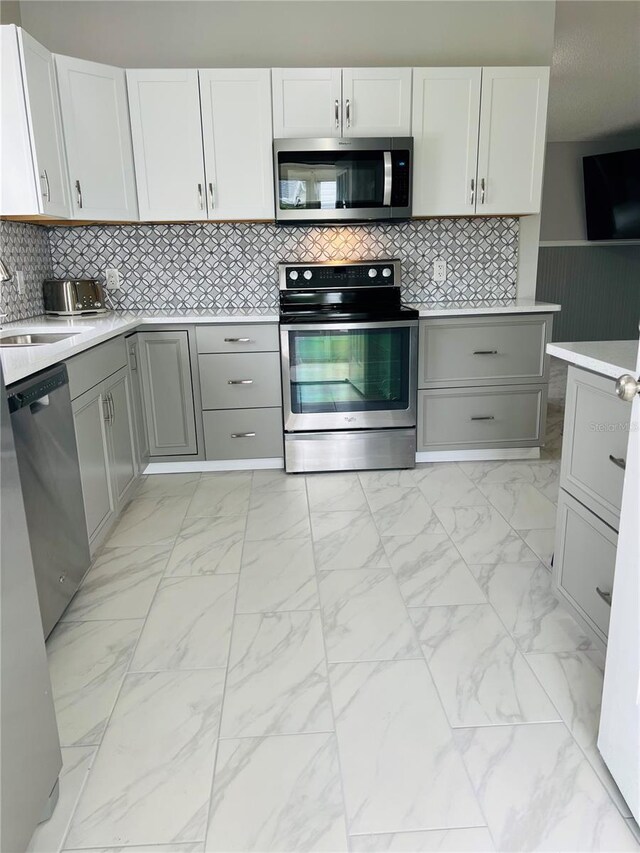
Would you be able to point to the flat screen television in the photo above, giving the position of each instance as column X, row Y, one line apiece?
column 612, row 195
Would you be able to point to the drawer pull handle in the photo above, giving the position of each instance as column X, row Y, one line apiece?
column 485, row 352
column 482, row 418
column 240, row 381
column 238, row 341
column 618, row 460
column 243, row 435
column 605, row 596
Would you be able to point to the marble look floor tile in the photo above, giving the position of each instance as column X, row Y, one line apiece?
column 538, row 473
column 541, row 542
column 483, row 536
column 346, row 540
column 168, row 485
column 87, row 662
column 398, row 511
column 277, row 678
column 120, row 584
column 573, row 680
column 514, row 767
column 189, row 624
column 364, row 617
column 48, row 836
column 286, row 517
column 149, row 521
column 151, row 779
column 472, row 840
column 221, row 494
column 277, row 574
column 522, row 505
column 303, row 811
column 524, row 601
column 276, row 480
column 430, row 570
column 401, row 769
column 481, row 676
column 445, row 484
column 208, row 546
column 331, row 492
column 374, row 481
column 196, row 847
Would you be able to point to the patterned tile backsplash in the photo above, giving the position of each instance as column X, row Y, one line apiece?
column 228, row 265
column 24, row 247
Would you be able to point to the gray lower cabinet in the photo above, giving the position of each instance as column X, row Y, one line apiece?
column 243, row 433
column 240, row 380
column 140, row 424
column 167, row 388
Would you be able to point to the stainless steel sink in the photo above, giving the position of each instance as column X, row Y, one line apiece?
column 31, row 339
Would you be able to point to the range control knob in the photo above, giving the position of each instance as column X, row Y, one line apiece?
column 373, row 273
column 98, row 304
column 307, row 274
column 78, row 305
column 386, row 272
column 293, row 275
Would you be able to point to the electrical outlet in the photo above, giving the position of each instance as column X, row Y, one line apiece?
column 18, row 277
column 113, row 280
column 440, row 270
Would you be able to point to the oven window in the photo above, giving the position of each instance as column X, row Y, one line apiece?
column 330, row 180
column 349, row 370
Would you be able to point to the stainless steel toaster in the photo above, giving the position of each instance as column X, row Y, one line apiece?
column 73, row 296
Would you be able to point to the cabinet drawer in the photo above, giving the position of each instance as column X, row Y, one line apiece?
column 585, row 559
column 596, row 433
column 246, row 337
column 88, row 368
column 240, row 380
column 481, row 417
column 494, row 350
column 243, row 433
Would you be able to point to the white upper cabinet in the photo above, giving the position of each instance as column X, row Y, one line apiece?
column 307, row 102
column 446, row 118
column 236, row 126
column 512, row 140
column 376, row 101
column 95, row 118
column 34, row 178
column 167, row 143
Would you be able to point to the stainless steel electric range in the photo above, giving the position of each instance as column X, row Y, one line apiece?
column 349, row 367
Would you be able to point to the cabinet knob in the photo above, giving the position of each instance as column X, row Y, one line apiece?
column 627, row 387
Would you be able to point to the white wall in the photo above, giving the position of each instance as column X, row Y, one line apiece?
column 255, row 33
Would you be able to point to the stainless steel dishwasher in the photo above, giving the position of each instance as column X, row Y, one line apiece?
column 45, row 441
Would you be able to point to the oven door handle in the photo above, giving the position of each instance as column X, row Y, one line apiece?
column 388, row 179
column 359, row 326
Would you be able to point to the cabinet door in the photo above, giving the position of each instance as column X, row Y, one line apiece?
column 41, row 95
column 122, row 459
column 140, row 425
column 307, row 102
column 90, row 415
column 446, row 119
column 95, row 119
column 513, row 120
column 168, row 393
column 236, row 124
column 167, row 143
column 376, row 101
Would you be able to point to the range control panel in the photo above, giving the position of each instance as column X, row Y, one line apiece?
column 332, row 275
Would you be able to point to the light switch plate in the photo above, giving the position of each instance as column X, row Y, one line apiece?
column 112, row 278
column 440, row 270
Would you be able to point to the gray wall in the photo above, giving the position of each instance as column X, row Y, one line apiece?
column 10, row 12
column 232, row 34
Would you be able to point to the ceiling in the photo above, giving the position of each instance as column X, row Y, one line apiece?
column 595, row 71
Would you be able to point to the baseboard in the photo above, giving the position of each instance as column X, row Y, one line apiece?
column 487, row 455
column 203, row 465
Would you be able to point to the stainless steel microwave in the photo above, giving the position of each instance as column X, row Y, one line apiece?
column 342, row 180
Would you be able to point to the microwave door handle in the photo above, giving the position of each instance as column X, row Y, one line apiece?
column 388, row 179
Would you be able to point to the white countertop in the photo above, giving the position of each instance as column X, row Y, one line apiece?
column 19, row 362
column 609, row 358
column 484, row 306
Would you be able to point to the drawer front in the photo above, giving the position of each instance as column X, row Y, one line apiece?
column 88, row 368
column 595, row 443
column 243, row 434
column 495, row 350
column 477, row 418
column 245, row 337
column 585, row 559
column 240, row 380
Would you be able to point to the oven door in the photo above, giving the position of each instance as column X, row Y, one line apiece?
column 351, row 376
column 332, row 180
